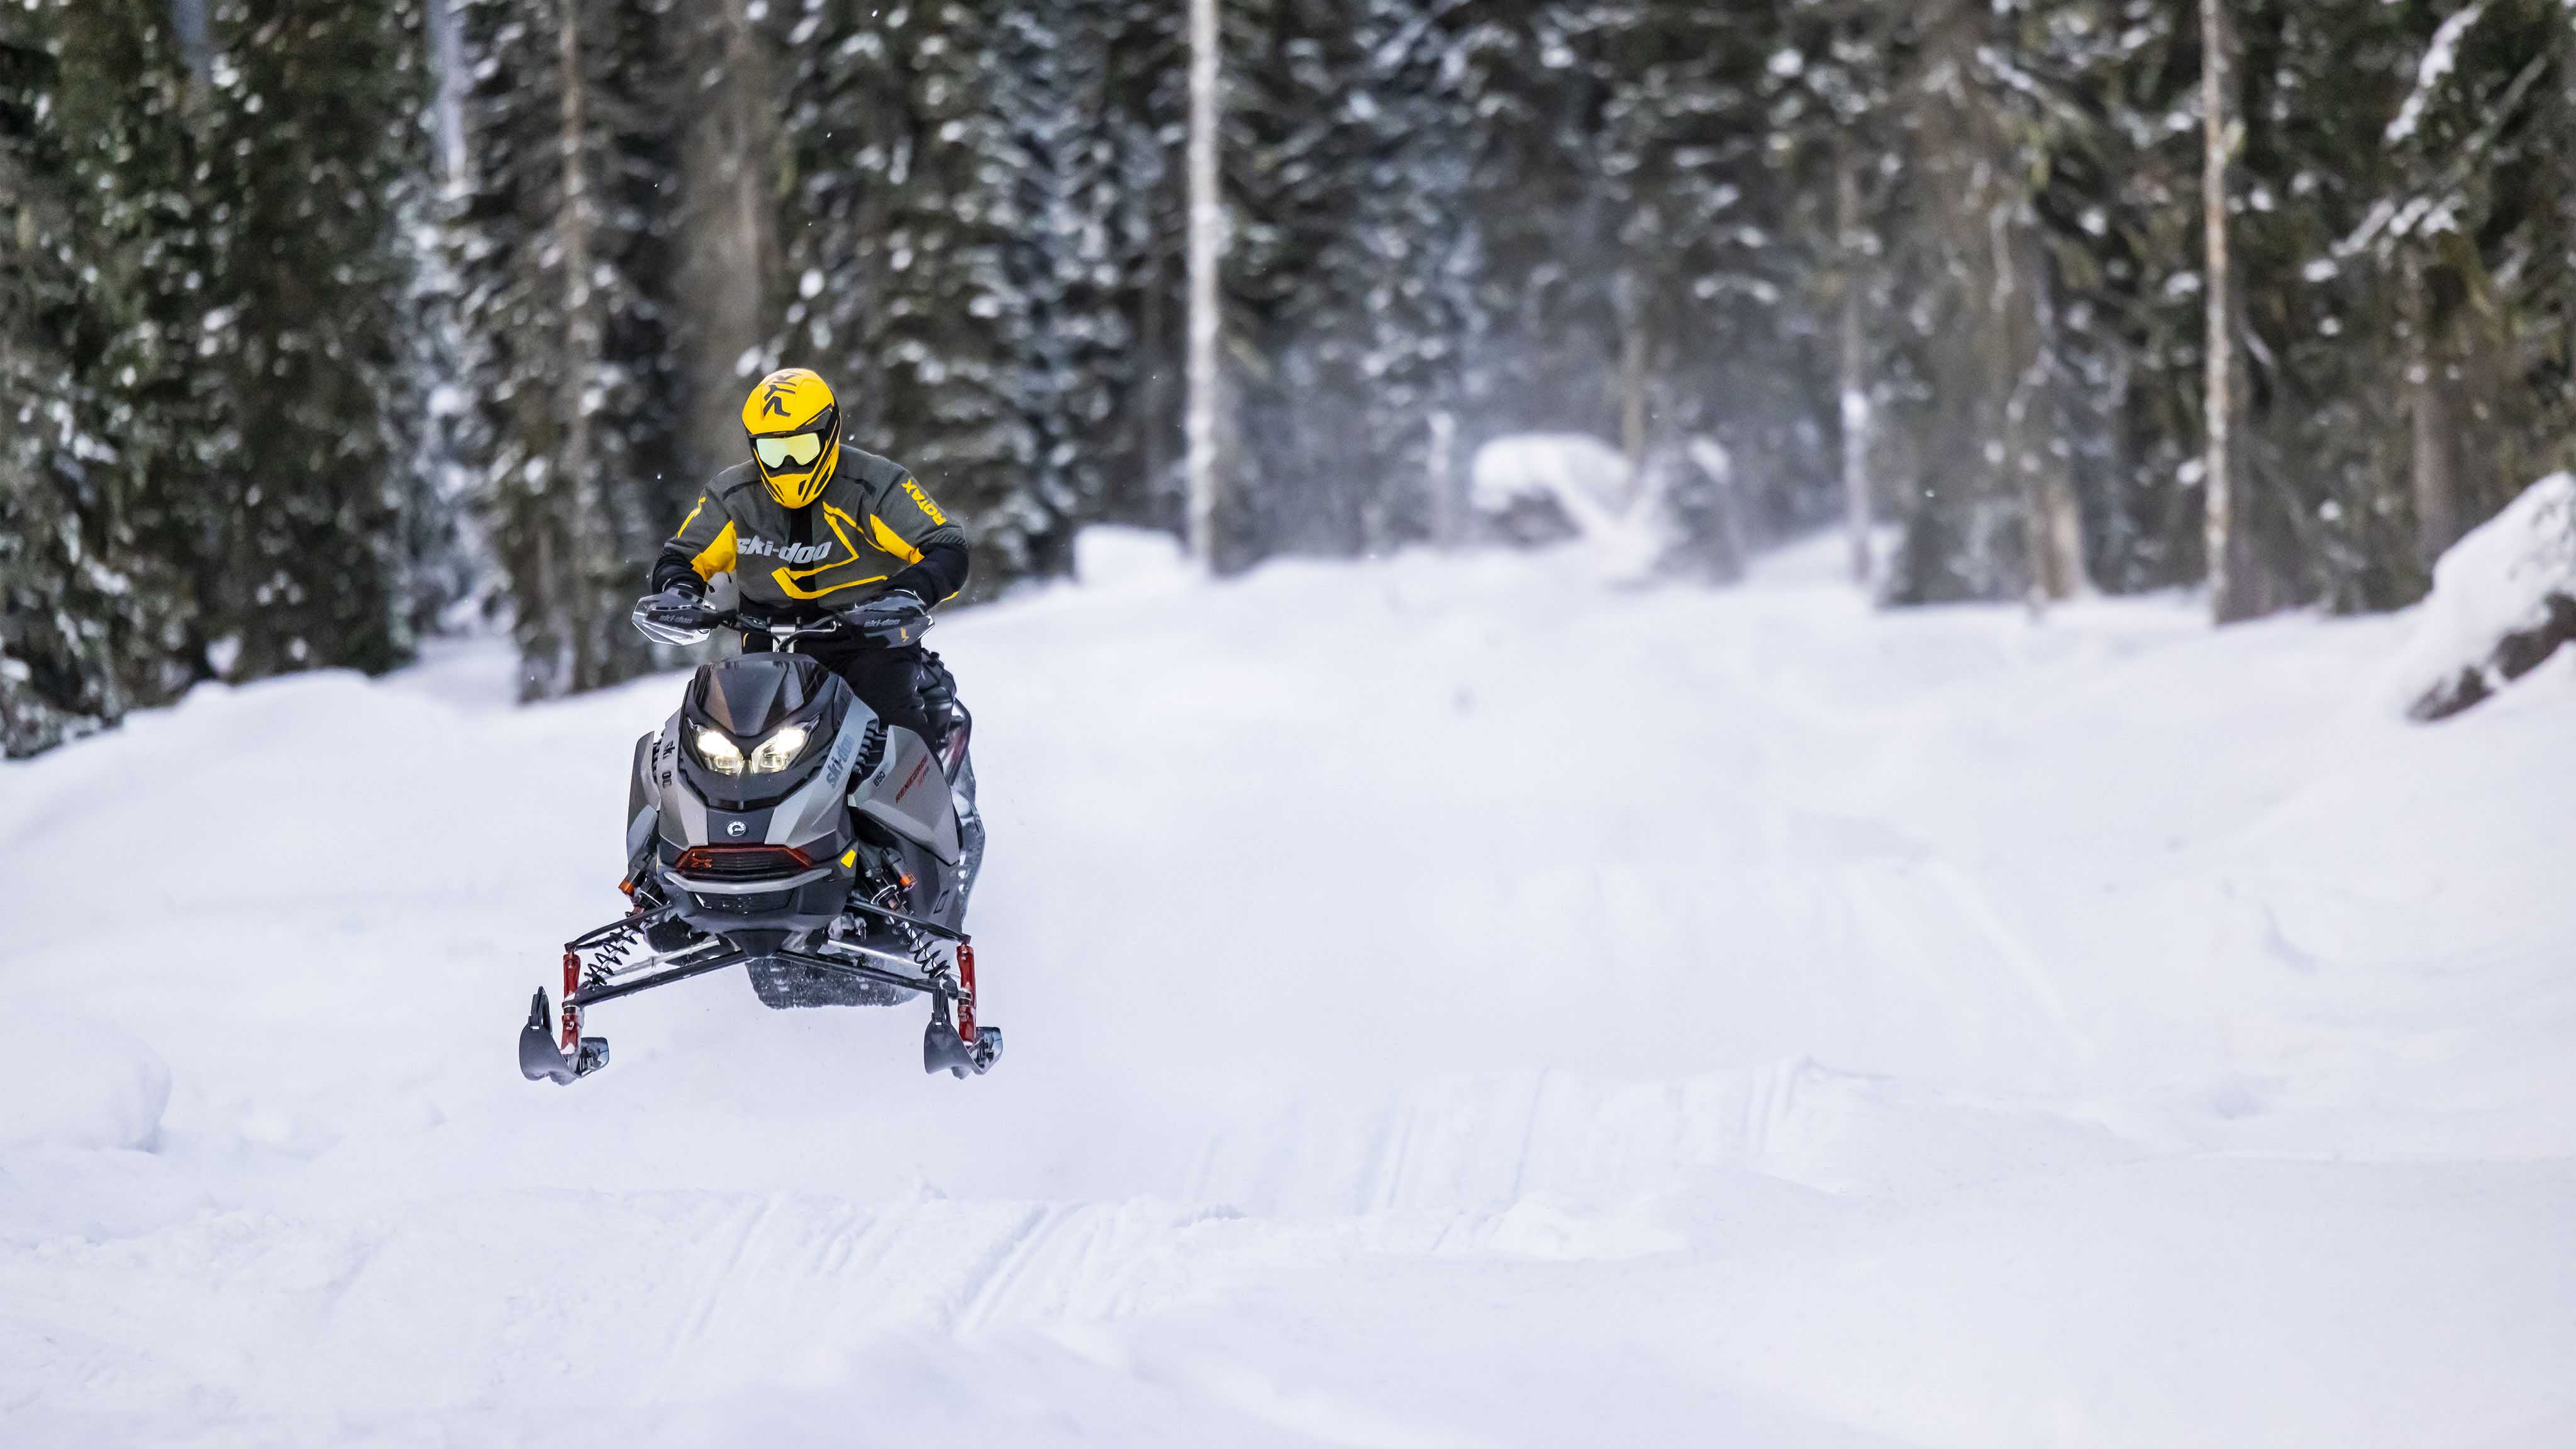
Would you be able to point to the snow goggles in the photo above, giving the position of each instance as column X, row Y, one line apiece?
column 798, row 449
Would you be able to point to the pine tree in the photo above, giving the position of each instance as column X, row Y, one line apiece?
column 99, row 259
column 896, row 233
column 142, row 195
column 1716, row 335
column 318, row 133
column 1068, row 246
column 1826, row 148
column 2462, row 222
column 970, row 223
column 562, row 260
column 2093, row 94
column 1144, row 109
column 1351, row 287
column 54, row 679
column 2119, row 211
column 1972, row 525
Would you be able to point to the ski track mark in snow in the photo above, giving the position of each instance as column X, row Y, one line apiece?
column 2011, row 948
column 1010, row 1260
column 715, row 1275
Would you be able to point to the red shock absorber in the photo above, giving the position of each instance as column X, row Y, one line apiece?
column 571, row 1013
column 966, row 992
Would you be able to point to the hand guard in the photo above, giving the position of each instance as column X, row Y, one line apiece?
column 674, row 616
column 893, row 619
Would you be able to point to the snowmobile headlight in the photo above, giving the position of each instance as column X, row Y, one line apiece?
column 722, row 755
column 778, row 751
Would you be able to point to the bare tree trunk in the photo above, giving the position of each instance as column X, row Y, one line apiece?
column 1439, row 482
column 1727, row 546
column 1207, row 247
column 583, row 663
column 1154, row 392
column 1853, row 362
column 2055, row 522
column 1634, row 353
column 2021, row 341
column 2230, row 591
column 2436, row 431
column 447, row 67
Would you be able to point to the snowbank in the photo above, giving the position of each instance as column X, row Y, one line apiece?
column 70, row 1080
column 2504, row 599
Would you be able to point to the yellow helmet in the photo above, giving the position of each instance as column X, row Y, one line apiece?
column 795, row 431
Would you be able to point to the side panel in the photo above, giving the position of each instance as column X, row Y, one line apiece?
column 815, row 811
column 909, row 794
column 643, row 798
column 684, row 815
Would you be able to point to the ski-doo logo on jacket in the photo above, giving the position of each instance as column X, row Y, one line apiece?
column 789, row 553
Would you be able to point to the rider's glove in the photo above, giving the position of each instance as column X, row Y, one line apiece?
column 677, row 615
column 893, row 618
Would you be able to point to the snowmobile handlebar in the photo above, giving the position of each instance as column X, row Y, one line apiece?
column 683, row 621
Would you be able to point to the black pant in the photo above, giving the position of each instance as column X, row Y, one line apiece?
column 888, row 681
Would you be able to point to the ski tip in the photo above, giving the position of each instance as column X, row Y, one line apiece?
column 541, row 1060
column 941, row 1051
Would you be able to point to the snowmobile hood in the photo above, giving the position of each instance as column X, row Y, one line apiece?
column 750, row 698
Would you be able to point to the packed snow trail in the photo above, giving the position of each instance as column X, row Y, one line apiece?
column 1451, row 1003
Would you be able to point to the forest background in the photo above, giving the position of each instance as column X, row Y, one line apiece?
column 326, row 328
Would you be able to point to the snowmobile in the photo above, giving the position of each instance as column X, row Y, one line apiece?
column 776, row 823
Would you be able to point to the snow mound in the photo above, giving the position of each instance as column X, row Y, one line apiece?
column 2504, row 599
column 1534, row 488
column 1544, row 488
column 1583, row 476
column 74, row 1081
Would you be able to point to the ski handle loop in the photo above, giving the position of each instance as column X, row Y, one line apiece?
column 966, row 992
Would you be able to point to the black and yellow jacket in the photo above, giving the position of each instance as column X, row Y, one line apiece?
column 873, row 529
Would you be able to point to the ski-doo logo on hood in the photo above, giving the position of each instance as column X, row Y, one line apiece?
column 787, row 553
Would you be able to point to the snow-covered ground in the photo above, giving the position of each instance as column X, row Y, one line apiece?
column 1452, row 1003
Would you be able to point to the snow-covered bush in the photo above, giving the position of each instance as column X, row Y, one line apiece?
column 1538, row 488
column 2504, row 599
column 1545, row 487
